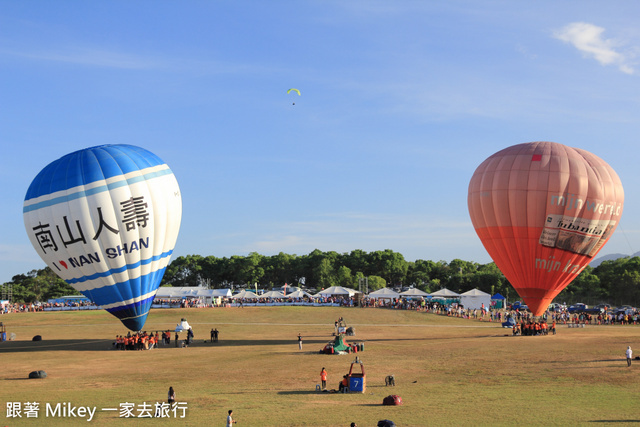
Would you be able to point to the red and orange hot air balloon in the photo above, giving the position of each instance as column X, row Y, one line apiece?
column 543, row 211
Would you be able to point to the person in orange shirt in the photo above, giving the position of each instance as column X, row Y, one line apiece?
column 323, row 378
column 344, row 383
column 553, row 327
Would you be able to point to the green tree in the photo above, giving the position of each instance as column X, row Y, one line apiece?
column 343, row 277
column 376, row 282
column 184, row 271
column 390, row 265
column 323, row 273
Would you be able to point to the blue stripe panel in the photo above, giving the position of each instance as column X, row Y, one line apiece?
column 119, row 269
column 126, row 290
column 135, row 315
column 96, row 190
column 90, row 165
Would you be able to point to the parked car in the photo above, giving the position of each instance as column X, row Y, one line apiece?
column 557, row 307
column 515, row 305
column 583, row 308
column 578, row 307
column 625, row 309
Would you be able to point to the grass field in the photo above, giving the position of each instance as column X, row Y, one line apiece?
column 448, row 371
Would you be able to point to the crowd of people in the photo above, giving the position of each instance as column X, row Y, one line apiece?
column 452, row 310
column 35, row 307
column 533, row 328
column 138, row 341
column 145, row 341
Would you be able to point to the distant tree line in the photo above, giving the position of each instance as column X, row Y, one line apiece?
column 615, row 282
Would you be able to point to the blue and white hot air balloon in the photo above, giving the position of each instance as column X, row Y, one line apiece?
column 106, row 220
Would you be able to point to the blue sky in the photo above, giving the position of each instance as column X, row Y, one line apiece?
column 401, row 101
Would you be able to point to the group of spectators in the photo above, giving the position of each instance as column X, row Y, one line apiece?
column 453, row 310
column 34, row 307
column 137, row 341
column 533, row 328
column 144, row 341
column 606, row 318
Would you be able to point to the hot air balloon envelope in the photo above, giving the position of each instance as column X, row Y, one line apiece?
column 106, row 220
column 543, row 211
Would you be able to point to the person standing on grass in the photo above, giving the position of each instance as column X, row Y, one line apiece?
column 629, row 353
column 171, row 396
column 323, row 378
column 230, row 420
column 299, row 342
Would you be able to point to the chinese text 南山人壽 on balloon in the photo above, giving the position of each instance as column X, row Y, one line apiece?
column 106, row 220
column 543, row 211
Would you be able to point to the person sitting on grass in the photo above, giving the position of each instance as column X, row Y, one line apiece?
column 343, row 384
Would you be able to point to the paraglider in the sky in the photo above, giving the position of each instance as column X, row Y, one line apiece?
column 293, row 90
column 106, row 220
column 543, row 211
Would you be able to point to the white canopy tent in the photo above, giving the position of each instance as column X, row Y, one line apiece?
column 271, row 294
column 245, row 294
column 299, row 294
column 384, row 293
column 337, row 291
column 444, row 293
column 171, row 292
column 474, row 299
column 413, row 293
column 225, row 293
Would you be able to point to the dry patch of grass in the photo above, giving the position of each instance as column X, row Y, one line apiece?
column 448, row 371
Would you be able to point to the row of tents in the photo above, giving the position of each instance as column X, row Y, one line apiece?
column 473, row 299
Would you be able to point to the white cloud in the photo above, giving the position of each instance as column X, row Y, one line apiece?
column 87, row 56
column 588, row 39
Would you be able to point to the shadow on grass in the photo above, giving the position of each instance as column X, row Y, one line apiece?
column 55, row 345
column 238, row 343
column 614, row 421
column 310, row 346
column 303, row 392
column 422, row 339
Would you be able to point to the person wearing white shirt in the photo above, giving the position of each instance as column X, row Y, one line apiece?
column 230, row 420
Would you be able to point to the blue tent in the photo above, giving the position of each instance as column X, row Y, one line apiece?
column 497, row 301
